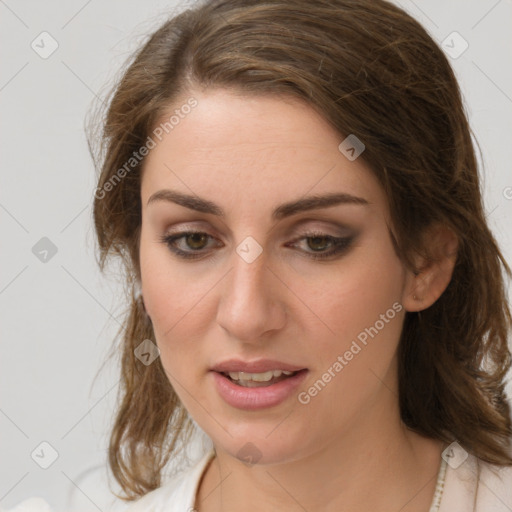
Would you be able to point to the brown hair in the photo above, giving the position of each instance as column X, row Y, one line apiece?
column 370, row 70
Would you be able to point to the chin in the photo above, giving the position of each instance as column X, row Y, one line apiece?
column 253, row 445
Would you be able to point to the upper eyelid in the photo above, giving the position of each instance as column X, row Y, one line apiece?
column 328, row 223
column 180, row 235
column 337, row 229
column 309, row 233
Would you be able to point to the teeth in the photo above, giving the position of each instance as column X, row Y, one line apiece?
column 258, row 377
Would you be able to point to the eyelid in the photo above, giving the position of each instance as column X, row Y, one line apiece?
column 337, row 232
column 323, row 227
column 320, row 223
column 338, row 245
column 325, row 223
column 181, row 227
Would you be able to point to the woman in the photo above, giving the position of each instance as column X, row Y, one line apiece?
column 293, row 190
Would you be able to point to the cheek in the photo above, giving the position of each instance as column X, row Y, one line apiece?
column 353, row 295
column 360, row 304
column 176, row 303
column 175, row 300
column 169, row 292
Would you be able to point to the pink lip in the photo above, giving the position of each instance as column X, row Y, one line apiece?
column 259, row 366
column 252, row 399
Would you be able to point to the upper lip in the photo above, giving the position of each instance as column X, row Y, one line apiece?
column 257, row 366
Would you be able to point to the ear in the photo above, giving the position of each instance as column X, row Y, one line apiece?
column 424, row 287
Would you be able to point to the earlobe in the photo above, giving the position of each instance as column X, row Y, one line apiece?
column 425, row 286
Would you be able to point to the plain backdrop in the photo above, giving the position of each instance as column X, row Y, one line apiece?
column 58, row 313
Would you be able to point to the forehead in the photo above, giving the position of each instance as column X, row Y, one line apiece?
column 254, row 149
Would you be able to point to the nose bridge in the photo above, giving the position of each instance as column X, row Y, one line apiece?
column 249, row 305
column 247, row 285
column 247, row 280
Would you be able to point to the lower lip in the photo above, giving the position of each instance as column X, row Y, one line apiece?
column 252, row 399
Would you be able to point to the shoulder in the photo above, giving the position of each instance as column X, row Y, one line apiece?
column 177, row 495
column 476, row 485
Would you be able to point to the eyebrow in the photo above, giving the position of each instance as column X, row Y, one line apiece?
column 313, row 202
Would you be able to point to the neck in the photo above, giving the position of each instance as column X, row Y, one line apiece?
column 376, row 464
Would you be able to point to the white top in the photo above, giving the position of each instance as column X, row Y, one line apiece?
column 472, row 486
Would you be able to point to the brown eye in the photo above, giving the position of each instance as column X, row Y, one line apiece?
column 189, row 244
column 318, row 243
column 196, row 240
column 322, row 246
column 193, row 245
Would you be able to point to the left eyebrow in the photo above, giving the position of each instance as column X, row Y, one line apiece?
column 313, row 202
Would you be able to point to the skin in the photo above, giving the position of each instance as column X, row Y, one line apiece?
column 248, row 155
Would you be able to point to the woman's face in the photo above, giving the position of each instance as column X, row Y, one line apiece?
column 269, row 282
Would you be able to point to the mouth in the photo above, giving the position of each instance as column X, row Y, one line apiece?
column 256, row 390
column 258, row 380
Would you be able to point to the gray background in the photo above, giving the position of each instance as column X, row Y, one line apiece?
column 58, row 316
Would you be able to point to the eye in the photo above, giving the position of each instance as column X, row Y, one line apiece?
column 194, row 244
column 325, row 246
column 195, row 240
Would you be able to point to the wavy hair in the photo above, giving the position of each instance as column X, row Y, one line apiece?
column 370, row 70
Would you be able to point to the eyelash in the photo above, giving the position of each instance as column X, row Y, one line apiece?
column 340, row 245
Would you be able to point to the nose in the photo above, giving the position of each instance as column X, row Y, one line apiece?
column 251, row 301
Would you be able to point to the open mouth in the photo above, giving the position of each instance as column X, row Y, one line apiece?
column 258, row 380
column 257, row 391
